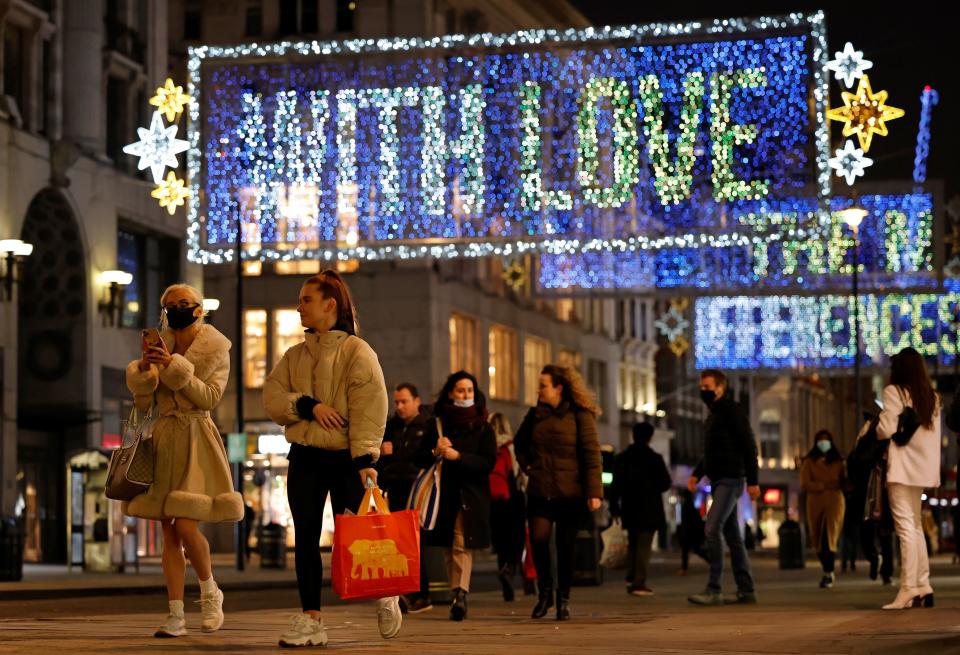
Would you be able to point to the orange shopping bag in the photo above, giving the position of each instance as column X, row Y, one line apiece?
column 376, row 555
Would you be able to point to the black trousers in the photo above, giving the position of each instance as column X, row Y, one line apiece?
column 827, row 556
column 565, row 516
column 639, row 549
column 312, row 473
column 870, row 533
column 507, row 532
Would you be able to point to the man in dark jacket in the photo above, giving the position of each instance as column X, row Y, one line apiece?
column 640, row 477
column 730, row 455
column 397, row 471
column 401, row 438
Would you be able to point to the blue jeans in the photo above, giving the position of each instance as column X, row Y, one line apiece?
column 722, row 517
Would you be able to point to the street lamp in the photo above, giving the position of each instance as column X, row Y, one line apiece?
column 16, row 251
column 111, row 307
column 853, row 216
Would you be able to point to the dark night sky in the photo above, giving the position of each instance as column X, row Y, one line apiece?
column 909, row 50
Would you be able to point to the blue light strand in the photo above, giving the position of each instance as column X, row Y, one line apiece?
column 928, row 100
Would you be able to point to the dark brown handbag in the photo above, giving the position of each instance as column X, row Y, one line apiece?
column 131, row 465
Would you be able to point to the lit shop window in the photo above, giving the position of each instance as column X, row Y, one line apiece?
column 503, row 369
column 464, row 344
column 254, row 348
column 536, row 355
column 287, row 332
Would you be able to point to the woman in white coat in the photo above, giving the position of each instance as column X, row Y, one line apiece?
column 329, row 395
column 911, row 468
column 183, row 380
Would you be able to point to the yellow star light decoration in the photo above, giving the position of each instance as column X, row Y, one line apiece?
column 515, row 276
column 864, row 113
column 170, row 100
column 679, row 345
column 171, row 193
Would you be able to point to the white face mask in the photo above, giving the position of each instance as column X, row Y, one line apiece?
column 463, row 403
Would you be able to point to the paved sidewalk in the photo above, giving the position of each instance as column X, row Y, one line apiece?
column 794, row 616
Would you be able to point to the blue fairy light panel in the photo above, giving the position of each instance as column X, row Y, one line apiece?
column 479, row 145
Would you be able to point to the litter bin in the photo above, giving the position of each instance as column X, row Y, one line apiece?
column 11, row 549
column 586, row 552
column 791, row 545
column 273, row 546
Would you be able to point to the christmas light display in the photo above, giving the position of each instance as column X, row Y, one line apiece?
column 774, row 332
column 849, row 64
column 864, row 113
column 157, row 148
column 770, row 244
column 170, row 100
column 171, row 193
column 850, row 162
column 500, row 145
column 928, row 100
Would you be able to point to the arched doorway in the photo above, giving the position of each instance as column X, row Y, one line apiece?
column 52, row 371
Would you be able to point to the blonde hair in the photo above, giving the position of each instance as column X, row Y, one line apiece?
column 500, row 424
column 190, row 291
column 575, row 390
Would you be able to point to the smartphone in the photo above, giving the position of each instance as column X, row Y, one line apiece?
column 150, row 338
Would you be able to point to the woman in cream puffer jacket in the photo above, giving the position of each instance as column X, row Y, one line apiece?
column 329, row 395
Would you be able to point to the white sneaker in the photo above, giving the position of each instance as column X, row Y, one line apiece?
column 389, row 618
column 174, row 626
column 211, row 608
column 304, row 631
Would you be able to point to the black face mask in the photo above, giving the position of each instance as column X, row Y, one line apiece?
column 179, row 318
column 708, row 396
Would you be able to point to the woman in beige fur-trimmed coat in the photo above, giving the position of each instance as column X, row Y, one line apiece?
column 183, row 380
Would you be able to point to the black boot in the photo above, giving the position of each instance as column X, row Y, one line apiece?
column 506, row 582
column 563, row 605
column 458, row 608
column 529, row 587
column 544, row 603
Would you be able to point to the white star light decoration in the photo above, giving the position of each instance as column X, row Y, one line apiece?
column 849, row 64
column 157, row 148
column 672, row 325
column 850, row 162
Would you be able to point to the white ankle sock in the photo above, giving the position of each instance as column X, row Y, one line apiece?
column 176, row 607
column 208, row 587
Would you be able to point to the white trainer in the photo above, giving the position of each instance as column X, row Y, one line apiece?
column 304, row 631
column 174, row 626
column 211, row 608
column 389, row 617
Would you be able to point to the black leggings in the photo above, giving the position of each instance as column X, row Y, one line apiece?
column 312, row 473
column 566, row 514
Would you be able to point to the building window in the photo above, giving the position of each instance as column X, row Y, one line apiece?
column 597, row 381
column 770, row 447
column 464, row 344
column 253, row 23
column 14, row 65
column 346, row 11
column 309, row 17
column 503, row 369
column 297, row 267
column 254, row 348
column 118, row 104
column 569, row 358
column 536, row 355
column 192, row 21
column 288, row 17
column 154, row 263
column 566, row 311
column 287, row 332
column 626, row 390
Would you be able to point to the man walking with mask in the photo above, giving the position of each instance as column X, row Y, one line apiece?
column 729, row 460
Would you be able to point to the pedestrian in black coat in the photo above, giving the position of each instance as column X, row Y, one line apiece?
column 640, row 477
column 468, row 448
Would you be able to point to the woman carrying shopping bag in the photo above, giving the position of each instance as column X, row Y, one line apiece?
column 182, row 376
column 911, row 419
column 559, row 449
column 464, row 439
column 329, row 395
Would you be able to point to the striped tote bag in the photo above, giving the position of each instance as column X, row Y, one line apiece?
column 425, row 494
